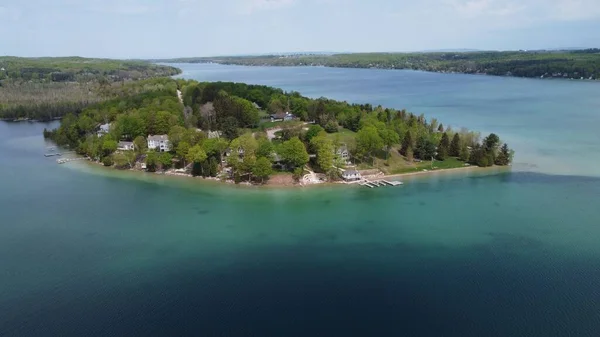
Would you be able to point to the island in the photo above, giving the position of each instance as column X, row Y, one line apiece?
column 570, row 64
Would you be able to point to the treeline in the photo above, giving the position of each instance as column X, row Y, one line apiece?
column 561, row 64
column 70, row 69
column 49, row 88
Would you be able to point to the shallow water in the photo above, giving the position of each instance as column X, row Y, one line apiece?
column 90, row 252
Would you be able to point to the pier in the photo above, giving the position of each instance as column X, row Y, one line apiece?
column 379, row 183
column 52, row 154
column 68, row 160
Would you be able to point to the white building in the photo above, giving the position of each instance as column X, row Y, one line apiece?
column 159, row 143
column 351, row 175
column 104, row 128
column 125, row 146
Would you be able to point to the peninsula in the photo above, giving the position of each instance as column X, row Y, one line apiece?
column 252, row 134
column 571, row 64
column 133, row 115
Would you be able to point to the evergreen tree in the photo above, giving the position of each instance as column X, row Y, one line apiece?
column 504, row 156
column 441, row 128
column 407, row 143
column 443, row 148
column 455, row 146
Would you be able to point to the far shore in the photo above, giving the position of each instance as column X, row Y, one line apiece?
column 276, row 184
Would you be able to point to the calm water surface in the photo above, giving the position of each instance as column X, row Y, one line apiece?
column 552, row 124
column 90, row 252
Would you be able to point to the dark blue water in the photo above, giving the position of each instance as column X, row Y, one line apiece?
column 90, row 252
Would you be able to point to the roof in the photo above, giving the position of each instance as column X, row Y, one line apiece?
column 105, row 127
column 256, row 105
column 158, row 138
column 122, row 143
column 350, row 173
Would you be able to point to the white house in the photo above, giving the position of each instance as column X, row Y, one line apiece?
column 351, row 175
column 104, row 128
column 125, row 146
column 159, row 143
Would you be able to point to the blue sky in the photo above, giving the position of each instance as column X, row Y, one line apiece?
column 179, row 28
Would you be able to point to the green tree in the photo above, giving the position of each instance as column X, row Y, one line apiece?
column 464, row 154
column 455, row 146
column 407, row 143
column 152, row 161
column 390, row 138
column 324, row 149
column 265, row 148
column 109, row 146
column 443, row 147
column 247, row 143
column 504, row 156
column 166, row 160
column 294, row 153
column 140, row 144
column 262, row 169
column 313, row 131
column 196, row 154
column 176, row 135
column 368, row 141
column 182, row 151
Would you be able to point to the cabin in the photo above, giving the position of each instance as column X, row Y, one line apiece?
column 282, row 117
column 125, row 146
column 159, row 143
column 351, row 175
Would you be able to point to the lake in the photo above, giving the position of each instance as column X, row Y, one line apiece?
column 552, row 124
column 92, row 252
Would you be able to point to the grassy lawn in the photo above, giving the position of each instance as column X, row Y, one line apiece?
column 397, row 164
column 268, row 125
column 344, row 135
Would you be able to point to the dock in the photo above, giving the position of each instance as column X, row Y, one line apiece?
column 68, row 160
column 379, row 183
column 52, row 154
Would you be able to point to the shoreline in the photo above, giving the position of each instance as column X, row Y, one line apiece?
column 182, row 177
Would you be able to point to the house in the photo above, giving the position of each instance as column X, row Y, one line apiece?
column 343, row 153
column 125, row 146
column 282, row 116
column 159, row 143
column 351, row 175
column 214, row 134
column 104, row 128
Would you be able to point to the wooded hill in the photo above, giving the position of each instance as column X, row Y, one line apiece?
column 575, row 64
column 47, row 88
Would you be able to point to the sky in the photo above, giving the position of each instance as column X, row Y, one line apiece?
column 186, row 28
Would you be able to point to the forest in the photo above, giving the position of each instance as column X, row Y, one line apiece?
column 48, row 88
column 577, row 64
column 238, row 114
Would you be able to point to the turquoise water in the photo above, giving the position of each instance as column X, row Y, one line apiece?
column 553, row 124
column 86, row 251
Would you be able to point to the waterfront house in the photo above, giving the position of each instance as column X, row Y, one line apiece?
column 125, row 146
column 351, row 175
column 159, row 143
column 104, row 128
